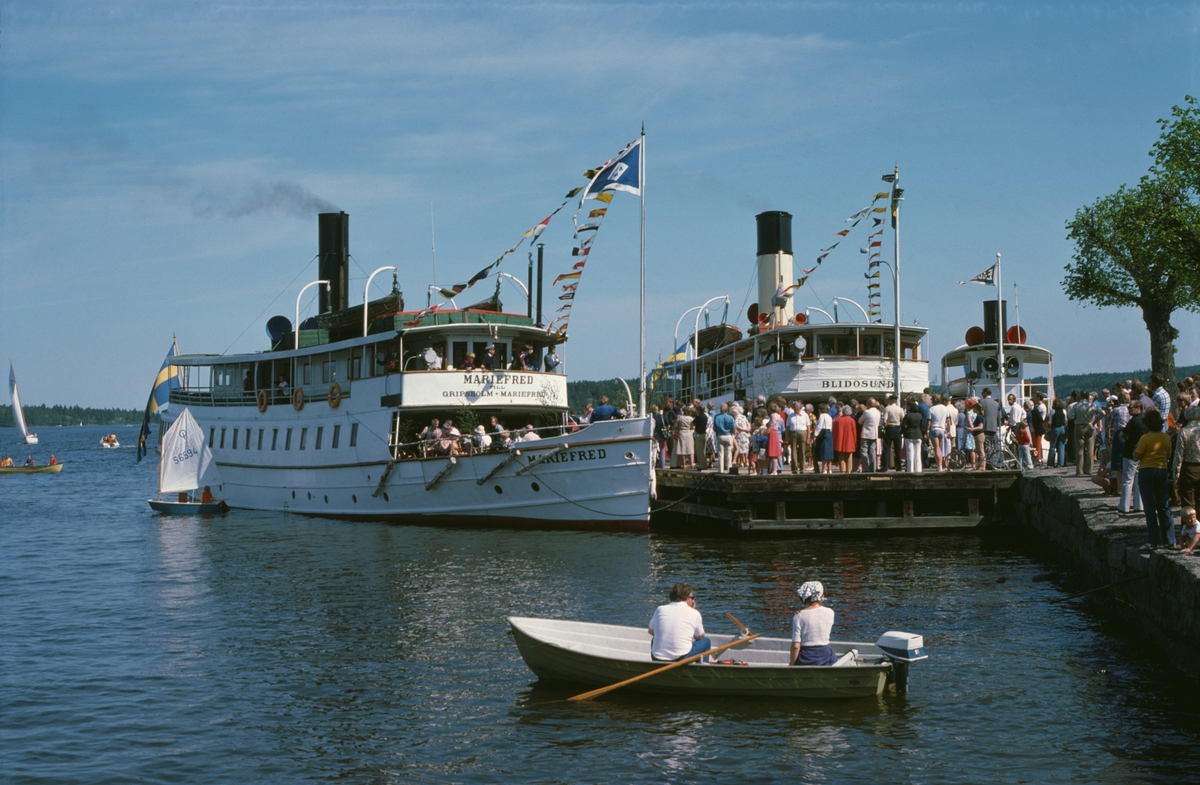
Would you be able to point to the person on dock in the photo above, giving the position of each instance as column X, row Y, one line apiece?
column 823, row 440
column 938, row 423
column 914, row 434
column 1057, row 434
column 812, row 625
column 868, row 436
column 1153, row 453
column 1161, row 398
column 1190, row 533
column 677, row 629
column 775, row 425
column 1086, row 412
column 845, row 439
column 991, row 423
column 1185, row 464
column 1130, row 500
column 893, row 439
column 723, row 428
column 685, row 444
column 797, row 432
column 700, row 424
column 741, row 434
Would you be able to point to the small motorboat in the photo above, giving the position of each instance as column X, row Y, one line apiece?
column 185, row 463
column 50, row 468
column 109, row 442
column 604, row 654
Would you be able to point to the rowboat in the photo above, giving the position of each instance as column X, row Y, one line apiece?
column 603, row 654
column 48, row 469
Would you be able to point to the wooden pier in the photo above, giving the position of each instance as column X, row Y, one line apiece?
column 712, row 502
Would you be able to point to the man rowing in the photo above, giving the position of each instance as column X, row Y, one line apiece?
column 677, row 628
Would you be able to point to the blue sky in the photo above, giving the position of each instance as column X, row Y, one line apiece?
column 162, row 164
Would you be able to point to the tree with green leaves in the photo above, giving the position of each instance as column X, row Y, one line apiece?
column 1140, row 247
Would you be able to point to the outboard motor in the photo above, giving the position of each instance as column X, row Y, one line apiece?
column 902, row 648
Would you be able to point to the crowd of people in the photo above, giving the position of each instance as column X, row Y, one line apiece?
column 930, row 431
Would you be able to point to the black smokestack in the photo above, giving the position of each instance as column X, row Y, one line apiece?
column 774, row 233
column 334, row 261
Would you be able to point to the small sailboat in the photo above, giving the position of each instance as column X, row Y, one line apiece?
column 18, row 413
column 184, row 464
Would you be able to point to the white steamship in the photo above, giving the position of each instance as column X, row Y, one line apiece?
column 329, row 420
column 810, row 355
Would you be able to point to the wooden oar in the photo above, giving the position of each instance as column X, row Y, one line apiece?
column 745, row 630
column 588, row 695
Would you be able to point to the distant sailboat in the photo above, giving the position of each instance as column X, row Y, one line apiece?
column 183, row 464
column 18, row 414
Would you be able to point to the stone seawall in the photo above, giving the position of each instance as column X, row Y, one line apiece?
column 1159, row 591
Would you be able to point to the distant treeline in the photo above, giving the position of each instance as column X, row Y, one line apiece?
column 38, row 416
column 1095, row 382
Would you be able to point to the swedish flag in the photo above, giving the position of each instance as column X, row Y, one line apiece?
column 167, row 380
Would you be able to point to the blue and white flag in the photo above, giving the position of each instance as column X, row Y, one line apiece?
column 622, row 173
column 167, row 380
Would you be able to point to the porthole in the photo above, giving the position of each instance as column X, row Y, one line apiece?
column 327, row 500
column 354, row 498
column 535, row 487
column 293, row 494
column 498, row 489
column 385, row 498
column 310, row 495
column 629, row 456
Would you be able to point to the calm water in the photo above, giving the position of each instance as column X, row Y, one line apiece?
column 274, row 648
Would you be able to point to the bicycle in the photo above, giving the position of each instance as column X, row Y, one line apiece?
column 1000, row 452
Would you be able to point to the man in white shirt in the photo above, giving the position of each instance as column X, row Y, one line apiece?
column 938, row 414
column 676, row 628
column 1014, row 411
column 797, row 432
column 893, row 414
column 868, row 423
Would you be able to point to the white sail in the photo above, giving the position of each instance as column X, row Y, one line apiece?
column 18, row 414
column 185, row 456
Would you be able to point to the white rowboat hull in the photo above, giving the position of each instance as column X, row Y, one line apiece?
column 603, row 654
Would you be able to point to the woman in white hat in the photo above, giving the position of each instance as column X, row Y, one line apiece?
column 811, row 627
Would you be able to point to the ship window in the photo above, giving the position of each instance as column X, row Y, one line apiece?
column 326, row 373
column 354, row 434
column 287, row 439
column 337, row 431
column 211, row 433
column 274, row 438
column 870, row 345
column 247, row 438
column 356, row 367
column 303, row 437
column 235, row 437
column 307, row 373
column 260, row 435
column 222, row 438
column 838, row 345
column 317, row 443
